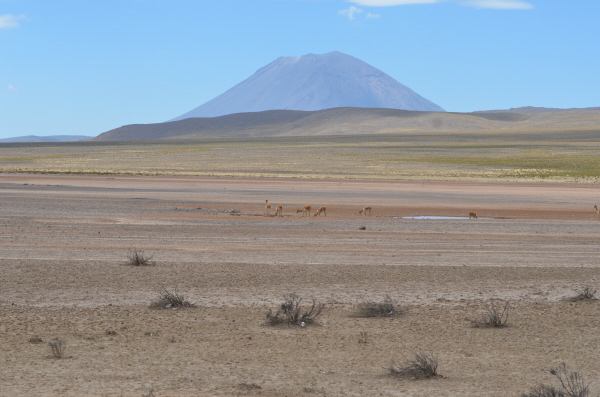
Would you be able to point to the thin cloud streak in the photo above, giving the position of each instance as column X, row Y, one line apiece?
column 8, row 21
column 488, row 4
column 498, row 4
column 388, row 3
column 350, row 12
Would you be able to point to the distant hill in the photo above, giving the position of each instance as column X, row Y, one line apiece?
column 314, row 82
column 350, row 121
column 51, row 138
column 532, row 110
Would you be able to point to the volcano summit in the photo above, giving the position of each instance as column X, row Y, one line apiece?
column 314, row 82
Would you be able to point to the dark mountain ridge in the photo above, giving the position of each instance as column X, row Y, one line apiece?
column 49, row 138
column 348, row 121
column 532, row 110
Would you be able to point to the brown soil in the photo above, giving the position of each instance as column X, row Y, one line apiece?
column 65, row 241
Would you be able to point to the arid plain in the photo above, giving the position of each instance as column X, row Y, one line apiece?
column 65, row 240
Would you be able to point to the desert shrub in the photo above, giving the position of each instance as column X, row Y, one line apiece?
column 138, row 258
column 249, row 386
column 35, row 339
column 571, row 385
column 314, row 390
column 291, row 313
column 363, row 337
column 170, row 300
column 149, row 394
column 422, row 366
column 58, row 348
column 496, row 316
column 586, row 294
column 387, row 308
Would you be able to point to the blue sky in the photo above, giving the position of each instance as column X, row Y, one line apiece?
column 82, row 67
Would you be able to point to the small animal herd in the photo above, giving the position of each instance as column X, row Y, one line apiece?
column 366, row 210
column 306, row 210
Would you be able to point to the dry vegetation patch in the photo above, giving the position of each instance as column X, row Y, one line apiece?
column 388, row 307
column 585, row 294
column 138, row 258
column 292, row 313
column 171, row 299
column 58, row 348
column 572, row 384
column 422, row 366
column 496, row 315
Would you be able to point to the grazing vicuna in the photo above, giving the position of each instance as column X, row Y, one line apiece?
column 305, row 210
column 279, row 210
column 321, row 209
column 472, row 215
column 365, row 210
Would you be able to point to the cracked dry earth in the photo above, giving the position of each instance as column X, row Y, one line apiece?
column 64, row 242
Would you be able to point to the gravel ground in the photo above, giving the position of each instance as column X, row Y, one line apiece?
column 64, row 242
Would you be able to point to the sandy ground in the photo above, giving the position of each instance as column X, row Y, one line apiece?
column 64, row 242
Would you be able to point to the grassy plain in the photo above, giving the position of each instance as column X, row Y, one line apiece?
column 557, row 156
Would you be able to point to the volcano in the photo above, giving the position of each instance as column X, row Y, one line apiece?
column 314, row 82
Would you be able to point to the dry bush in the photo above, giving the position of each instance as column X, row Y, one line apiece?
column 249, row 386
column 58, row 348
column 387, row 308
column 137, row 258
column 495, row 317
column 586, row 294
column 571, row 382
column 363, row 337
column 422, row 366
column 290, row 312
column 149, row 394
column 35, row 339
column 315, row 390
column 170, row 300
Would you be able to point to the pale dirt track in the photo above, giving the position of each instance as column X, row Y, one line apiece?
column 64, row 241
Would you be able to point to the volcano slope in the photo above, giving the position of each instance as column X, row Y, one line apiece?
column 65, row 240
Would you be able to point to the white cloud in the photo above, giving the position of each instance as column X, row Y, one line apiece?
column 12, row 88
column 491, row 4
column 387, row 3
column 350, row 12
column 8, row 21
column 498, row 4
column 373, row 16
